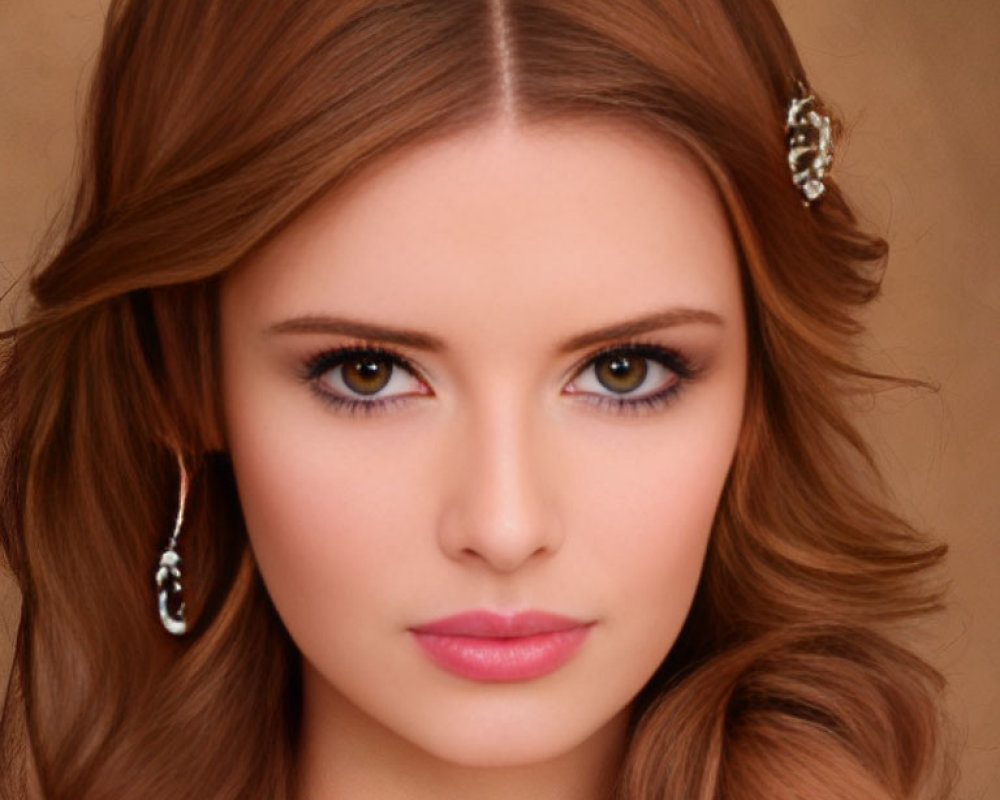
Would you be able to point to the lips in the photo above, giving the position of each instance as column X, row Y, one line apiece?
column 486, row 646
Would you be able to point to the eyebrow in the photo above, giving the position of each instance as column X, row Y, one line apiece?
column 314, row 323
column 669, row 318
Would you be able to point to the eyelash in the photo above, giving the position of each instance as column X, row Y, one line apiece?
column 319, row 364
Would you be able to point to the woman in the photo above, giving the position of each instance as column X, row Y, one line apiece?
column 447, row 399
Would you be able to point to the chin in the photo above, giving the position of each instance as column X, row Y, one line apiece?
column 496, row 740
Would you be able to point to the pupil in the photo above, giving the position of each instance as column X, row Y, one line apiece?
column 368, row 376
column 621, row 373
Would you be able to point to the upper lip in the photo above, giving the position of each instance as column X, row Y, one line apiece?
column 492, row 624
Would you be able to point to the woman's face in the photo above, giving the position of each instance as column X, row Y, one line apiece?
column 501, row 373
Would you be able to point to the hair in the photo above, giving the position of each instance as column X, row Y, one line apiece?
column 210, row 126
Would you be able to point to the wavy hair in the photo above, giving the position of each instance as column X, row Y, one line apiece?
column 210, row 126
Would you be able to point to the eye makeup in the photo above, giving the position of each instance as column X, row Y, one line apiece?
column 325, row 361
column 678, row 368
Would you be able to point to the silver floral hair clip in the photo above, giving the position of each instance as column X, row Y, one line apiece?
column 810, row 146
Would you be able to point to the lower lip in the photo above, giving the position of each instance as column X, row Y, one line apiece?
column 516, row 658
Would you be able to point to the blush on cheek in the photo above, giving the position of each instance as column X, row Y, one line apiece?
column 317, row 523
column 661, row 513
column 672, row 541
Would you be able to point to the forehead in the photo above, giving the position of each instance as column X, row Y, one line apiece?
column 568, row 225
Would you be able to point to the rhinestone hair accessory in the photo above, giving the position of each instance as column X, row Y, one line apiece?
column 810, row 146
column 168, row 572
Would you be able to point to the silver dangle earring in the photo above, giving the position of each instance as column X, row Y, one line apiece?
column 168, row 572
column 810, row 146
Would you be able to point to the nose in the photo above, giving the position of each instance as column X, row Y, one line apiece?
column 500, row 513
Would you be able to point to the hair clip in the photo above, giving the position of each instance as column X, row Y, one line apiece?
column 810, row 145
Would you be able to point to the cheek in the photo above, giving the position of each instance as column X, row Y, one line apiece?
column 323, row 517
column 651, row 503
column 653, row 540
column 658, row 546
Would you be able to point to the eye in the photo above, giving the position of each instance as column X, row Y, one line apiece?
column 367, row 376
column 634, row 378
column 632, row 375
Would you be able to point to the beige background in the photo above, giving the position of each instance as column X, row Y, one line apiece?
column 916, row 82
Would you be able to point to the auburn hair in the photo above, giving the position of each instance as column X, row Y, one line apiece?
column 210, row 126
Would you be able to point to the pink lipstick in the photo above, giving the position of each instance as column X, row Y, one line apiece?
column 486, row 646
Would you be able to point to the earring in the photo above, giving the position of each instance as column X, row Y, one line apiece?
column 168, row 572
column 810, row 146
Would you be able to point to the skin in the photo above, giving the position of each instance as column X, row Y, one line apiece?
column 496, row 481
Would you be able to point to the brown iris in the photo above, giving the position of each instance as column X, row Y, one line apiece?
column 621, row 373
column 367, row 375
